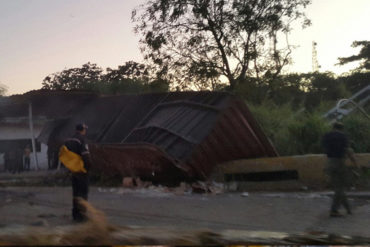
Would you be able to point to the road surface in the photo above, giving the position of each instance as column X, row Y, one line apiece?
column 280, row 212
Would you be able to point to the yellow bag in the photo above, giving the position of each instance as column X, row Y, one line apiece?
column 71, row 160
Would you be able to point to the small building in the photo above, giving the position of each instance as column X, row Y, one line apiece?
column 15, row 136
column 15, row 132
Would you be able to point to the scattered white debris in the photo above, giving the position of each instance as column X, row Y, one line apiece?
column 137, row 186
column 101, row 190
column 305, row 188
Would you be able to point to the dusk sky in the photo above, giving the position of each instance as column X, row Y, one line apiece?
column 40, row 37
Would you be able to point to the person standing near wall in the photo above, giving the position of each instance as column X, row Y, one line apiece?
column 27, row 157
column 336, row 146
column 79, row 163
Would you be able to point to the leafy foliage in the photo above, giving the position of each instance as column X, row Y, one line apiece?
column 323, row 87
column 299, row 132
column 3, row 89
column 202, row 41
column 292, row 132
column 83, row 78
column 131, row 77
column 357, row 126
column 307, row 91
column 355, row 81
column 306, row 132
column 363, row 56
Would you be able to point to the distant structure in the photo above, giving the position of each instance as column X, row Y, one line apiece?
column 315, row 63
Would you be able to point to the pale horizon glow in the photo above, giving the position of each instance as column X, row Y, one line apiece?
column 41, row 37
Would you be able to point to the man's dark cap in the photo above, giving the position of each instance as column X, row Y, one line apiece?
column 81, row 127
column 338, row 126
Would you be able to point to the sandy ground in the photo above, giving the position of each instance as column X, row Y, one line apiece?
column 280, row 212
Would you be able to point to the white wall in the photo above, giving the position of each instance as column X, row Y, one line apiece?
column 9, row 132
column 42, row 158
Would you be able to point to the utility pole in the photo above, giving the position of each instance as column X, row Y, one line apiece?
column 32, row 136
column 315, row 63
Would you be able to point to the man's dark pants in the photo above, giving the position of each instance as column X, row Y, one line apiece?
column 339, row 181
column 80, row 186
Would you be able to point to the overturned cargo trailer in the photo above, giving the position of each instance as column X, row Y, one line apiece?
column 179, row 136
column 161, row 137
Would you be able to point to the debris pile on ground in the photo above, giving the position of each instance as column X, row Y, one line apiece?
column 198, row 187
column 135, row 182
column 207, row 187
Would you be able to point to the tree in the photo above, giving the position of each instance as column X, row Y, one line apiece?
column 84, row 78
column 3, row 89
column 356, row 81
column 128, row 78
column 205, row 40
column 131, row 77
column 363, row 56
column 130, row 70
column 323, row 87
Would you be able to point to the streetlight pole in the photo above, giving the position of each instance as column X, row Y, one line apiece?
column 32, row 136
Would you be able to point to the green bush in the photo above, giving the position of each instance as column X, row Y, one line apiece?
column 291, row 132
column 358, row 128
column 305, row 134
column 300, row 132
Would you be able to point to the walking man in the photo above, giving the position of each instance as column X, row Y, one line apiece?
column 336, row 146
column 80, row 181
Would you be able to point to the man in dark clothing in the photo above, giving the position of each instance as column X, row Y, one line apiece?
column 80, row 181
column 336, row 147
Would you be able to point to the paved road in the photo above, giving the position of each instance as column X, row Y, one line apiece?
column 281, row 212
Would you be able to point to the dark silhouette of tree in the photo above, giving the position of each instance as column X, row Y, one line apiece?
column 84, row 78
column 131, row 77
column 128, row 78
column 202, row 41
column 363, row 56
column 303, row 90
column 356, row 81
column 3, row 89
column 323, row 87
column 130, row 70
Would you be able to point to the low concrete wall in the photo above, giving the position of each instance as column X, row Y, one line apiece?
column 310, row 169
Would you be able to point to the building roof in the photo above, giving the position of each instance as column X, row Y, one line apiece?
column 45, row 103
